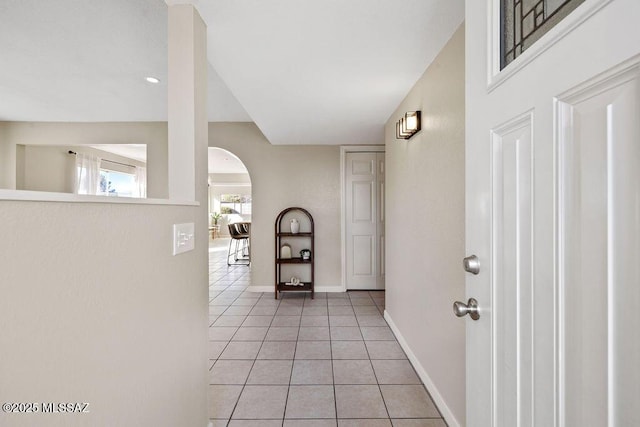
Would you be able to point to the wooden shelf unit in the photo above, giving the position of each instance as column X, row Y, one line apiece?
column 281, row 236
column 293, row 261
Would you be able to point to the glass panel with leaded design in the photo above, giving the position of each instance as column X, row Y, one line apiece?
column 525, row 21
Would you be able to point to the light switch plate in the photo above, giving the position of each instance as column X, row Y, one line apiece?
column 184, row 237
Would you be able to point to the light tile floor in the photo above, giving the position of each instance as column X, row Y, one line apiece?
column 330, row 361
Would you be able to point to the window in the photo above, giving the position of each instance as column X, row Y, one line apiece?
column 235, row 204
column 119, row 184
column 525, row 21
column 94, row 179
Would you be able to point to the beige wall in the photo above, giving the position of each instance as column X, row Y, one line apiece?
column 152, row 134
column 281, row 176
column 284, row 176
column 52, row 168
column 98, row 310
column 94, row 308
column 425, row 194
column 230, row 178
column 41, row 168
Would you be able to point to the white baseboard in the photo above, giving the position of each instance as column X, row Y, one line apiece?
column 270, row 288
column 422, row 373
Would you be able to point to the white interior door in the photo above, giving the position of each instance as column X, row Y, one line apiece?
column 364, row 219
column 553, row 214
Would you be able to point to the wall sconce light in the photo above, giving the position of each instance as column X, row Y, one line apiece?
column 408, row 125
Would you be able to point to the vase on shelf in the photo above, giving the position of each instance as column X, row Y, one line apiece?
column 295, row 226
column 285, row 251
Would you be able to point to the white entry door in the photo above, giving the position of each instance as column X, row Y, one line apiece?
column 553, row 215
column 364, row 219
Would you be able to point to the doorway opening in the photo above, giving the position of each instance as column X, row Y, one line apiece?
column 229, row 206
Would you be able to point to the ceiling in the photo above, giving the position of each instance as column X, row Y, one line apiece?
column 86, row 60
column 305, row 71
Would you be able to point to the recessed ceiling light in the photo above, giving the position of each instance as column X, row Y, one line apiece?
column 152, row 80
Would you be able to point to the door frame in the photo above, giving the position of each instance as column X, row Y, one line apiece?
column 344, row 149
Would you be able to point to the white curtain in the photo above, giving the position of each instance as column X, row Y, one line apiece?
column 140, row 188
column 87, row 174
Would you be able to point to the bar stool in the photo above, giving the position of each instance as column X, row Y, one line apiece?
column 240, row 233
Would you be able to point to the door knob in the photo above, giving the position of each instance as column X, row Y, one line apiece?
column 460, row 309
column 471, row 264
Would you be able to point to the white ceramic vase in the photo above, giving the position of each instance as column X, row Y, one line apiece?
column 295, row 226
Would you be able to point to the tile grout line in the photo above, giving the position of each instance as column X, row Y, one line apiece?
column 248, row 375
column 293, row 362
column 242, row 292
column 230, row 340
column 333, row 372
column 384, row 402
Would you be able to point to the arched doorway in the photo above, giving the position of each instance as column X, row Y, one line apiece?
column 229, row 202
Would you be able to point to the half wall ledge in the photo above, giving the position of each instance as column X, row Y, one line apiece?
column 43, row 196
